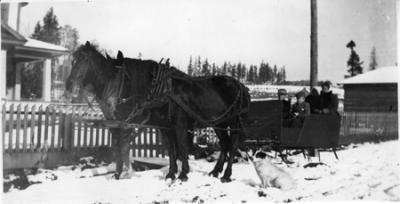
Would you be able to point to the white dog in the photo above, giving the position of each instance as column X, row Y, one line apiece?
column 270, row 175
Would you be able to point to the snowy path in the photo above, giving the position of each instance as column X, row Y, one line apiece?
column 367, row 172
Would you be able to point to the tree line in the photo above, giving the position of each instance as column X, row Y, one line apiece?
column 252, row 74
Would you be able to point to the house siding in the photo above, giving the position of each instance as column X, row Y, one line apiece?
column 370, row 97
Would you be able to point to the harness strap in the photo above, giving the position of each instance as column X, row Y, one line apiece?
column 208, row 123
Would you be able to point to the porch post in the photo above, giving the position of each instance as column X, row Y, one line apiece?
column 3, row 73
column 17, row 86
column 46, row 93
column 3, row 85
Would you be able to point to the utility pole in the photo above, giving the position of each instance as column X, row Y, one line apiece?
column 314, row 46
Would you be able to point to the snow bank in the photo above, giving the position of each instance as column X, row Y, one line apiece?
column 363, row 172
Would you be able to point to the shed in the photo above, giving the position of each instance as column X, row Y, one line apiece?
column 373, row 91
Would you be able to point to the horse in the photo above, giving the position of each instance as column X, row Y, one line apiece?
column 147, row 92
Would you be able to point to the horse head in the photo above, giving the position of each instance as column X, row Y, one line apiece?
column 87, row 70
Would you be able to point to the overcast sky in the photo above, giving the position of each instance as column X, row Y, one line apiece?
column 276, row 31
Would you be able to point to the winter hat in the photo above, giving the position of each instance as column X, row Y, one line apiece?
column 300, row 94
column 327, row 84
column 282, row 92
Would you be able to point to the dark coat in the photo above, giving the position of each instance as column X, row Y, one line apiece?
column 329, row 103
column 286, row 114
column 301, row 109
column 285, row 109
column 315, row 103
column 299, row 112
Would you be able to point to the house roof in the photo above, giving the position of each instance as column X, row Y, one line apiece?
column 36, row 50
column 28, row 49
column 384, row 75
column 11, row 36
column 37, row 44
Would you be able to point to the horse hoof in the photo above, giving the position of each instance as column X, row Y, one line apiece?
column 126, row 175
column 213, row 174
column 170, row 176
column 225, row 180
column 115, row 176
column 183, row 178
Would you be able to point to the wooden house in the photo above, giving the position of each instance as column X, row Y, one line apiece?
column 373, row 91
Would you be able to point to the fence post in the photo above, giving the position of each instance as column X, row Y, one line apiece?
column 97, row 143
column 46, row 126
column 60, row 142
column 79, row 136
column 32, row 127
column 39, row 135
column 3, row 126
column 25, row 127
column 85, row 129
column 11, row 128
column 18, row 128
column 53, row 128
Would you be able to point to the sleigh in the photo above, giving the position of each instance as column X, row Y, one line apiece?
column 264, row 127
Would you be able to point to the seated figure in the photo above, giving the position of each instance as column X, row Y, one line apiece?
column 300, row 110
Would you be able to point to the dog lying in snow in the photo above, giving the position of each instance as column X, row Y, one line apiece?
column 270, row 175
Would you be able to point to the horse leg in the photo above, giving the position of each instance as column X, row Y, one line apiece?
column 116, row 135
column 181, row 128
column 125, row 142
column 235, row 138
column 223, row 139
column 172, row 153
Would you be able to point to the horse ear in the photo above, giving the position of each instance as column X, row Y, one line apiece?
column 87, row 44
column 108, row 57
column 120, row 55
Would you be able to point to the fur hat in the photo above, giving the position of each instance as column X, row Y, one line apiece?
column 282, row 92
column 327, row 84
column 300, row 94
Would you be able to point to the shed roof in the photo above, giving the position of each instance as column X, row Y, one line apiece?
column 383, row 75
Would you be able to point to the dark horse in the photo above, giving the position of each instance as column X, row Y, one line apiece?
column 147, row 92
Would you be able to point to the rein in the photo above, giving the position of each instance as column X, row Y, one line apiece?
column 220, row 118
column 156, row 97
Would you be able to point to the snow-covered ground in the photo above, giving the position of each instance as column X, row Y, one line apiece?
column 291, row 89
column 363, row 172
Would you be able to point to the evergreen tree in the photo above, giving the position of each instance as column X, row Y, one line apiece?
column 239, row 71
column 205, row 70
column 190, row 67
column 214, row 70
column 255, row 74
column 197, row 67
column 36, row 31
column 250, row 75
column 269, row 76
column 283, row 73
column 50, row 31
column 354, row 62
column 373, row 62
column 224, row 69
column 263, row 73
column 233, row 71
column 275, row 74
column 244, row 71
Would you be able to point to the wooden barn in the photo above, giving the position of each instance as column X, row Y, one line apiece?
column 373, row 91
